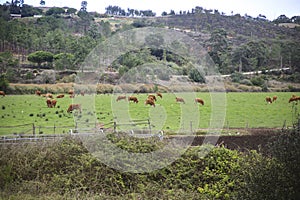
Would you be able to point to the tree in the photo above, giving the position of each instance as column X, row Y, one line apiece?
column 6, row 61
column 250, row 56
column 55, row 11
column 3, row 82
column 83, row 6
column 42, row 2
column 71, row 10
column 296, row 19
column 40, row 56
column 164, row 13
column 29, row 11
column 196, row 76
column 218, row 46
column 282, row 19
column 172, row 12
column 63, row 61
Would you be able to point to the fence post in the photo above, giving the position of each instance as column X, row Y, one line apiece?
column 149, row 125
column 54, row 128
column 284, row 125
column 191, row 126
column 33, row 129
column 115, row 127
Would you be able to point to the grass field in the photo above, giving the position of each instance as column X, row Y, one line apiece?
column 242, row 110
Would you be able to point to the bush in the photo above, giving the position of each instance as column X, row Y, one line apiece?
column 246, row 82
column 263, row 178
column 196, row 76
column 257, row 81
column 285, row 149
column 236, row 77
column 3, row 82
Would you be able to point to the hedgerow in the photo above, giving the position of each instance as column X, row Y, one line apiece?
column 66, row 169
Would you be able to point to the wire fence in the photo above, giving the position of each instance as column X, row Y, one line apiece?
column 34, row 133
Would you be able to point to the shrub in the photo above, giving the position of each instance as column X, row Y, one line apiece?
column 236, row 77
column 246, row 82
column 257, row 81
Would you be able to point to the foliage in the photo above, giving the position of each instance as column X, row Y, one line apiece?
column 236, row 77
column 260, row 175
column 3, row 82
column 40, row 57
column 7, row 60
column 285, row 149
column 196, row 76
column 63, row 61
column 29, row 11
column 258, row 81
column 55, row 11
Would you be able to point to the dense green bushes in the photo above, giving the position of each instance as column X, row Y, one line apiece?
column 65, row 169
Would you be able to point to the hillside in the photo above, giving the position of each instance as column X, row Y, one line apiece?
column 235, row 44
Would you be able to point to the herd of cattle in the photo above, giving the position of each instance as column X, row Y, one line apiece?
column 294, row 98
column 151, row 99
column 51, row 102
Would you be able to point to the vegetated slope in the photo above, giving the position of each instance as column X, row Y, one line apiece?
column 234, row 25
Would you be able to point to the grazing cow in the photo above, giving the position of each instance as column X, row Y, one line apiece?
column 150, row 102
column 294, row 98
column 198, row 100
column 159, row 94
column 268, row 100
column 179, row 99
column 2, row 93
column 120, row 98
column 151, row 96
column 134, row 99
column 82, row 93
column 38, row 93
column 274, row 98
column 74, row 107
column 49, row 95
column 60, row 96
column 51, row 103
column 71, row 92
column 72, row 95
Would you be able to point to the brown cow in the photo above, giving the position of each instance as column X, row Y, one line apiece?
column 150, row 102
column 159, row 94
column 60, row 96
column 134, row 99
column 294, row 98
column 71, row 92
column 151, row 96
column 274, row 98
column 74, row 107
column 268, row 100
column 48, row 102
column 38, row 93
column 2, row 93
column 51, row 103
column 198, row 100
column 72, row 95
column 179, row 99
column 120, row 98
column 49, row 95
column 82, row 93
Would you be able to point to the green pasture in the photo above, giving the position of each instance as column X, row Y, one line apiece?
column 19, row 113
